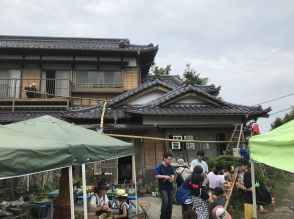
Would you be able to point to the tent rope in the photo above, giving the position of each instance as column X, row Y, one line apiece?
column 167, row 139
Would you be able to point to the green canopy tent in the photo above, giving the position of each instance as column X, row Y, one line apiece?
column 21, row 154
column 87, row 146
column 275, row 148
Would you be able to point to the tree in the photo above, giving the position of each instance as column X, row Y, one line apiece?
column 191, row 76
column 280, row 121
column 160, row 71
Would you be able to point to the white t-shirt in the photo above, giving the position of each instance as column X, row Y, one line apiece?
column 215, row 180
column 96, row 201
column 203, row 164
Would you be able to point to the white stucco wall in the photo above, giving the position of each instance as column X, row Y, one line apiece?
column 146, row 98
column 189, row 101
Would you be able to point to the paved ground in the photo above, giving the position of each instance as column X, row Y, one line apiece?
column 283, row 211
column 154, row 211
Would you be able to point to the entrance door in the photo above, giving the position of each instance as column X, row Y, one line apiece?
column 50, row 83
column 221, row 147
column 125, row 170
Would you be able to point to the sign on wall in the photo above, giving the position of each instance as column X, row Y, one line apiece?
column 189, row 146
column 175, row 145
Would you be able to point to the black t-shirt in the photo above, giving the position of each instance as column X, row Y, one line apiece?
column 204, row 193
column 248, row 185
column 165, row 170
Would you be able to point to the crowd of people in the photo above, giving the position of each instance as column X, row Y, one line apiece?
column 203, row 193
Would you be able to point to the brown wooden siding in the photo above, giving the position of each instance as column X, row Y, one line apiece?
column 153, row 151
column 130, row 78
column 30, row 76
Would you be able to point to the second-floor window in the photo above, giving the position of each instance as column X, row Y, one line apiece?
column 98, row 79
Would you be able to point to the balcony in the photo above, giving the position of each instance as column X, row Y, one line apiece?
column 97, row 88
column 49, row 94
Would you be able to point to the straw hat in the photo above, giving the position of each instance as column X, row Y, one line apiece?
column 220, row 213
column 121, row 193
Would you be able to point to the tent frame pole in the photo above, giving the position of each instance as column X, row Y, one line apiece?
column 71, row 196
column 135, row 180
column 253, row 189
column 84, row 191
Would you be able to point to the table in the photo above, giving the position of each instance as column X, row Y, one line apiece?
column 55, row 193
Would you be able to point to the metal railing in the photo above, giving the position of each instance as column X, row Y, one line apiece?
column 25, row 88
column 95, row 85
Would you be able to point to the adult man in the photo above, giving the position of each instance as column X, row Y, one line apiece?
column 246, row 186
column 165, row 176
column 99, row 202
column 200, row 162
column 30, row 91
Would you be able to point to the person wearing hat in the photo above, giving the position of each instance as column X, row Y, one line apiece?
column 99, row 202
column 219, row 212
column 121, row 202
column 183, row 172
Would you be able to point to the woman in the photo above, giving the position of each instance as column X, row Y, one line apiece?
column 99, row 202
column 183, row 172
column 200, row 196
column 216, row 177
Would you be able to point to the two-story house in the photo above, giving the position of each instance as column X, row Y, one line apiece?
column 66, row 71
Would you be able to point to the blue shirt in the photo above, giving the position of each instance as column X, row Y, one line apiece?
column 203, row 164
column 164, row 170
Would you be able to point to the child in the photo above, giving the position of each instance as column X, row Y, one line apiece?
column 121, row 202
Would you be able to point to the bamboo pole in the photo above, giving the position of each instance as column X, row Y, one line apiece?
column 69, row 97
column 232, row 188
column 102, row 115
column 167, row 139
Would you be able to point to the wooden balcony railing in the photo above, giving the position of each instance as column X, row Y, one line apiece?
column 20, row 88
column 95, row 85
column 40, row 94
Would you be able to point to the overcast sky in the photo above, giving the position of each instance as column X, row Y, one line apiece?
column 244, row 46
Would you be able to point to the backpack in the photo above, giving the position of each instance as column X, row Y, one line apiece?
column 179, row 179
column 182, row 194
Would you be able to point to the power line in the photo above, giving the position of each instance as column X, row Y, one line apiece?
column 283, row 110
column 278, row 98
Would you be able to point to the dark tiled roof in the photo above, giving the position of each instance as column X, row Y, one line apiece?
column 140, row 88
column 63, row 43
column 176, row 81
column 173, row 80
column 180, row 91
column 94, row 113
column 196, row 110
column 10, row 117
column 158, row 107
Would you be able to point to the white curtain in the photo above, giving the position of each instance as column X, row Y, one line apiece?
column 14, row 74
column 43, row 82
column 4, row 83
column 62, row 82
